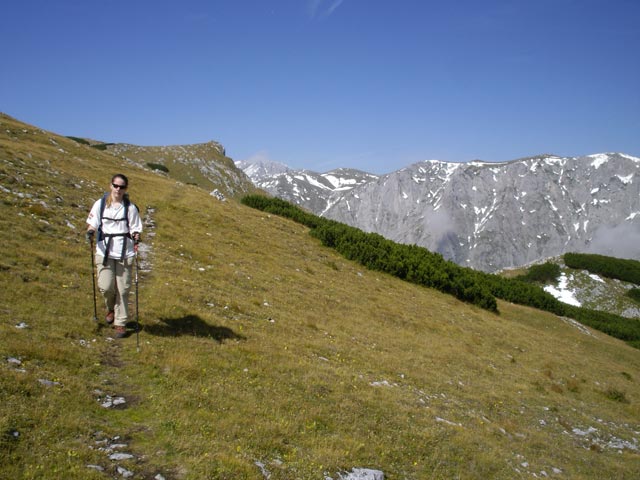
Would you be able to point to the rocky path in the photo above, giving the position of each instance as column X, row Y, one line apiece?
column 120, row 457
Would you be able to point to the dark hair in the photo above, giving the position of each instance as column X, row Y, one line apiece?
column 121, row 176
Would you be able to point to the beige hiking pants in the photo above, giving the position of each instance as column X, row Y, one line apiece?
column 114, row 282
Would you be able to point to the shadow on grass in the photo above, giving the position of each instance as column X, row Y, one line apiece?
column 190, row 325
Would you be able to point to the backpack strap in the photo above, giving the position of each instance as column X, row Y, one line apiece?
column 103, row 202
column 108, row 236
column 107, row 246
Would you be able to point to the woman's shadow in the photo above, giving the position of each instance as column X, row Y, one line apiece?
column 191, row 325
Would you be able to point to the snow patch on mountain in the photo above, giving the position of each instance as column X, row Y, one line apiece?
column 629, row 157
column 598, row 160
column 627, row 179
column 562, row 292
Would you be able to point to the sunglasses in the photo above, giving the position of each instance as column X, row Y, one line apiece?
column 116, row 186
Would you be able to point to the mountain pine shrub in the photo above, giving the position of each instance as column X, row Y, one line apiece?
column 548, row 272
column 623, row 269
column 79, row 140
column 101, row 146
column 634, row 294
column 157, row 166
column 627, row 329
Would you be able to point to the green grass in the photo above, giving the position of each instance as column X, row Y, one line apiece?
column 260, row 345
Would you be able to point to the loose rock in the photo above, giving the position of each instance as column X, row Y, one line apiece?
column 362, row 474
column 120, row 456
column 48, row 383
column 124, row 472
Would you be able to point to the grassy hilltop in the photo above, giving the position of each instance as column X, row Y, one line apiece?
column 265, row 355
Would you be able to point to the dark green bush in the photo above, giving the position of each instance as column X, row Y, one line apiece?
column 102, row 146
column 79, row 140
column 522, row 293
column 634, row 294
column 545, row 273
column 627, row 329
column 616, row 395
column 157, row 166
column 611, row 267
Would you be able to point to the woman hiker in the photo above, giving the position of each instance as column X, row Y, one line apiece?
column 118, row 224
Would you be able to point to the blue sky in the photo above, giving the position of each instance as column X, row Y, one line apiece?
column 320, row 84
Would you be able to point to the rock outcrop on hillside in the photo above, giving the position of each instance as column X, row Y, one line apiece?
column 203, row 164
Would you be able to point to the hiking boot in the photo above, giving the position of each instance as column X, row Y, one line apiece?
column 109, row 317
column 121, row 332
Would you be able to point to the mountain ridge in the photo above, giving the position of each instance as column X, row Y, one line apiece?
column 467, row 212
column 203, row 164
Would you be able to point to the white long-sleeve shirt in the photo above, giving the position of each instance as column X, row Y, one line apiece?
column 113, row 223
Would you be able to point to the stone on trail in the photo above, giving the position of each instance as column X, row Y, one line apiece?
column 120, row 456
column 362, row 474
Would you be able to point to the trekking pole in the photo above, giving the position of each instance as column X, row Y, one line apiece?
column 93, row 280
column 137, row 322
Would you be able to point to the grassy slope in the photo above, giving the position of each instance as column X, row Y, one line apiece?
column 260, row 345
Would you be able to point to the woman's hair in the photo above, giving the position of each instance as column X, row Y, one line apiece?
column 122, row 177
column 126, row 182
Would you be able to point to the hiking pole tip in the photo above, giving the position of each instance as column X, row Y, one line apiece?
column 135, row 247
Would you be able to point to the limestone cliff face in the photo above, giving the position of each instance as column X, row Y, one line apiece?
column 311, row 190
column 491, row 216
